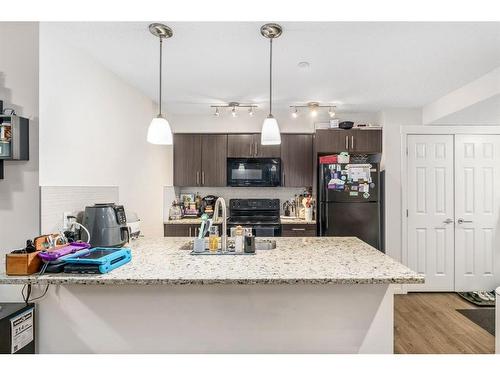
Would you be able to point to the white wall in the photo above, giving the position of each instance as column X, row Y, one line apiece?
column 19, row 196
column 93, row 131
column 471, row 94
column 391, row 121
column 486, row 112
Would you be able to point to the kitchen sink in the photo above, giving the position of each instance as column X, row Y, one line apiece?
column 260, row 244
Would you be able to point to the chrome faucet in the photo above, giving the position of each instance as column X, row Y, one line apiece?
column 221, row 202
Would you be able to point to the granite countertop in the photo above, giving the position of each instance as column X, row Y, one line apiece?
column 305, row 260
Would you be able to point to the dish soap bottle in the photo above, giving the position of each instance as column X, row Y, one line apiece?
column 213, row 239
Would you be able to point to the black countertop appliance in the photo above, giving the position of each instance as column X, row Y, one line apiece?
column 349, row 199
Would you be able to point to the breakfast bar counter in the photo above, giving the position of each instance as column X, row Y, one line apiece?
column 307, row 260
column 309, row 295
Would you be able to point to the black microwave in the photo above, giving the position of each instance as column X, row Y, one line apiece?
column 254, row 172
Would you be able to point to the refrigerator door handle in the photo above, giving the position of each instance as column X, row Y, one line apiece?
column 326, row 214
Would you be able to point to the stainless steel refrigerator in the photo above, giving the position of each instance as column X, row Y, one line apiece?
column 349, row 199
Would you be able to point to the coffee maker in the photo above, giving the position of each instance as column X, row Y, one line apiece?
column 107, row 225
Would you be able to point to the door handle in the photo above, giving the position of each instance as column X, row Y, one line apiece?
column 299, row 229
column 283, row 184
column 197, row 177
column 347, row 142
column 352, row 141
column 189, row 231
column 256, row 149
column 203, row 177
column 461, row 221
column 448, row 221
column 251, row 149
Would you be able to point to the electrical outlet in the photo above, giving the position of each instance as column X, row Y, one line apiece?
column 66, row 220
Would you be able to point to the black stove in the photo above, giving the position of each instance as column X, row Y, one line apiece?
column 262, row 215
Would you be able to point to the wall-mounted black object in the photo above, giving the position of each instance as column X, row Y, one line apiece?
column 16, row 328
column 14, row 137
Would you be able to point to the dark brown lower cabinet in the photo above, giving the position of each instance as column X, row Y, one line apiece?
column 298, row 230
column 181, row 230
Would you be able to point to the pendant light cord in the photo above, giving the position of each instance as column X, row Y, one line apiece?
column 161, row 59
column 270, row 76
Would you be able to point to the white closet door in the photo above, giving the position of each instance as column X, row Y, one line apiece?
column 430, row 210
column 477, row 191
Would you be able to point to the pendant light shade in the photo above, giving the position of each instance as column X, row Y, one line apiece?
column 159, row 131
column 270, row 134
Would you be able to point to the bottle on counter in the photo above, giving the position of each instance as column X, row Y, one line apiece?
column 213, row 239
column 239, row 239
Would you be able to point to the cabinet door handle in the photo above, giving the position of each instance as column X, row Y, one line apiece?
column 256, row 149
column 284, row 179
column 203, row 177
column 347, row 142
column 197, row 177
column 251, row 149
column 352, row 142
column 461, row 221
column 299, row 229
column 189, row 231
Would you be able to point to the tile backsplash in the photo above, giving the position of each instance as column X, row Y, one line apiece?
column 283, row 194
column 55, row 200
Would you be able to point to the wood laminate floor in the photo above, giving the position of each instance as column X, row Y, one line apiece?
column 428, row 323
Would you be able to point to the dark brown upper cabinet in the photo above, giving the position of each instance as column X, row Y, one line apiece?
column 248, row 146
column 367, row 141
column 200, row 159
column 240, row 146
column 187, row 159
column 213, row 159
column 297, row 160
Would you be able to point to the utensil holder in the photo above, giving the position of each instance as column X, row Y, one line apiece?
column 199, row 245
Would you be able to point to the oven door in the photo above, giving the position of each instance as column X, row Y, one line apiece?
column 253, row 172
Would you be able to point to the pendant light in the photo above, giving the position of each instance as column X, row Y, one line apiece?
column 159, row 131
column 270, row 134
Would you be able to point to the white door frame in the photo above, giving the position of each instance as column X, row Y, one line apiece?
column 427, row 129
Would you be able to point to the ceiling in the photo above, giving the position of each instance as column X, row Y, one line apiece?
column 362, row 67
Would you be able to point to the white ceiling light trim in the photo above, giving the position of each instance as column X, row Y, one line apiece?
column 159, row 131
column 270, row 134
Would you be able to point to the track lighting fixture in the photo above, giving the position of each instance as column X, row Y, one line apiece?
column 314, row 108
column 233, row 107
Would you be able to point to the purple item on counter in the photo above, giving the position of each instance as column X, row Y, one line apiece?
column 48, row 256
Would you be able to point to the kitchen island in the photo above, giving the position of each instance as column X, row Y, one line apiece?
column 309, row 295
